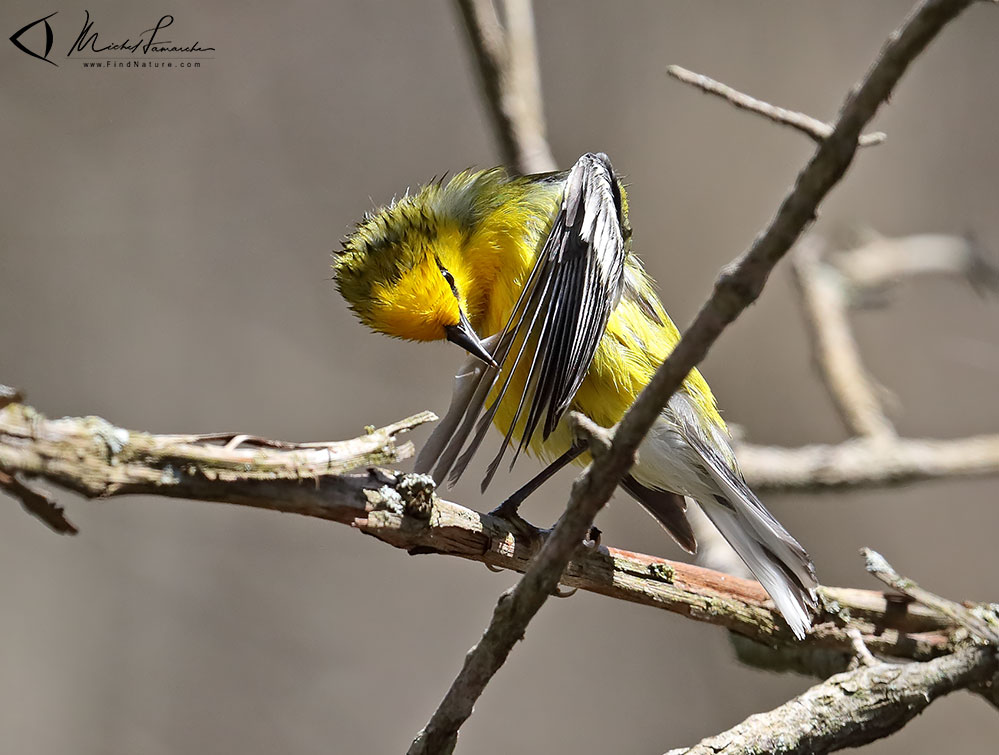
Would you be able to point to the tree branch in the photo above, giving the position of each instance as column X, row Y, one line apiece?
column 99, row 460
column 984, row 626
column 741, row 283
column 853, row 708
column 866, row 463
column 511, row 81
column 37, row 504
column 870, row 268
column 735, row 289
column 812, row 127
column 403, row 511
column 828, row 284
column 837, row 358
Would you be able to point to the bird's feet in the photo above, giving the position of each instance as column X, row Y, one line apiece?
column 508, row 511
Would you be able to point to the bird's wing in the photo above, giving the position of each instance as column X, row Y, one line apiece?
column 554, row 328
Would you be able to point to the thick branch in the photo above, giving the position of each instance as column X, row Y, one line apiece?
column 401, row 511
column 853, row 708
column 97, row 459
column 736, row 289
column 812, row 127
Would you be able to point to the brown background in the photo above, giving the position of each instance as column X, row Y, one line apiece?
column 164, row 250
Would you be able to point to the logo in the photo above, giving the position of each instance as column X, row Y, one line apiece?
column 150, row 48
column 49, row 37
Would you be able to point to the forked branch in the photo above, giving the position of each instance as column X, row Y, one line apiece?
column 812, row 127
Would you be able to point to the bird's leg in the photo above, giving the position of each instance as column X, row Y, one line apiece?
column 509, row 508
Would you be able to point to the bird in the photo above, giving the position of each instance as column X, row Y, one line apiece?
column 535, row 278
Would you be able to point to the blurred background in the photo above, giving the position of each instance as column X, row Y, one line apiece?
column 164, row 261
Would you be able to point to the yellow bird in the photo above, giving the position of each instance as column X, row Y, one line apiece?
column 534, row 276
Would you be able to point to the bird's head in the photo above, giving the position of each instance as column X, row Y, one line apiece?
column 402, row 272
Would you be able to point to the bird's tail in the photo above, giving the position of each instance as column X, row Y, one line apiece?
column 774, row 557
column 669, row 509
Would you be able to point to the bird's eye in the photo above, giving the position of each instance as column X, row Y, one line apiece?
column 450, row 280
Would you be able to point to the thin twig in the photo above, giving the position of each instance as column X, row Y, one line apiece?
column 863, row 653
column 824, row 300
column 870, row 268
column 812, row 127
column 983, row 630
column 737, row 287
column 37, row 504
column 508, row 70
column 830, row 282
column 853, row 708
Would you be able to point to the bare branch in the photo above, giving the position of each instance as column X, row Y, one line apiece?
column 863, row 653
column 37, row 504
column 863, row 463
column 735, row 289
column 97, row 459
column 511, row 82
column 873, row 266
column 837, row 358
column 524, row 94
column 402, row 511
column 829, row 282
column 853, row 708
column 983, row 627
column 517, row 607
column 93, row 457
column 812, row 127
column 742, row 283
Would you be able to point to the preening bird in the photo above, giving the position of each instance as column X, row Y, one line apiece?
column 535, row 278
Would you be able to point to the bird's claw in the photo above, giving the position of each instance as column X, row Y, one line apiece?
column 519, row 526
column 592, row 539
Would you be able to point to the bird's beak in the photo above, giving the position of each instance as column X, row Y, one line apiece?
column 465, row 336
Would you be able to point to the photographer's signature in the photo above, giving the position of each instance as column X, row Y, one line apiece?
column 89, row 42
